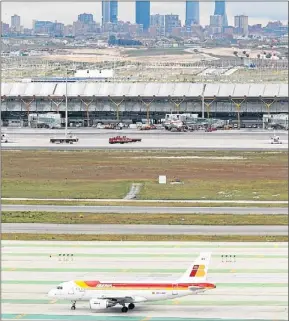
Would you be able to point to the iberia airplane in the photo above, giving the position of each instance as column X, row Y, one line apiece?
column 105, row 295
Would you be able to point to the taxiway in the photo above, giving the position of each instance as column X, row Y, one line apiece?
column 251, row 279
column 90, row 229
column 145, row 209
column 29, row 139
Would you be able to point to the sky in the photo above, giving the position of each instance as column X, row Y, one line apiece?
column 67, row 12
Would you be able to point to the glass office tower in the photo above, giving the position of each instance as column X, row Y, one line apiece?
column 142, row 14
column 192, row 13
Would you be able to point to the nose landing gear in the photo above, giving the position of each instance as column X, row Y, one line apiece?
column 73, row 307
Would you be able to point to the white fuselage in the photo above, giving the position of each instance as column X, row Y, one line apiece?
column 75, row 293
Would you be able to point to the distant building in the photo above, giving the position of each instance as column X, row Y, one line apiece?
column 192, row 13
column 42, row 27
column 142, row 14
column 216, row 24
column 220, row 10
column 157, row 23
column 85, row 18
column 55, row 29
column 171, row 21
column 241, row 25
column 4, row 29
column 109, row 12
column 15, row 23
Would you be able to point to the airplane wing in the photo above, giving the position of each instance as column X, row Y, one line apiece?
column 196, row 288
column 125, row 299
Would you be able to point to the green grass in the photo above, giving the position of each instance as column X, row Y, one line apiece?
column 139, row 204
column 156, row 52
column 66, row 188
column 218, row 190
column 148, row 238
column 109, row 174
column 147, row 219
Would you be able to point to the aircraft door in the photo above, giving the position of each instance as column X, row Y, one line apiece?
column 175, row 289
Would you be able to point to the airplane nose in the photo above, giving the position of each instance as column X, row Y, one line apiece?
column 51, row 293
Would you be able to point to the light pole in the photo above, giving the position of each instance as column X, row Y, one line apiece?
column 66, row 107
column 66, row 99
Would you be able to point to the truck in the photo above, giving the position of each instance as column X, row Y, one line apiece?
column 69, row 139
column 123, row 140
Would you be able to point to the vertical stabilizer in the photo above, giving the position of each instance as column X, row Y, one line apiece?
column 198, row 270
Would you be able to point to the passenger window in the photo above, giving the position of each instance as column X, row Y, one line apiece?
column 59, row 288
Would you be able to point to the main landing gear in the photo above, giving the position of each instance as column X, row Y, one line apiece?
column 124, row 309
column 73, row 307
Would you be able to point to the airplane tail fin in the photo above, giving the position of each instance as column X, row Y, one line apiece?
column 197, row 272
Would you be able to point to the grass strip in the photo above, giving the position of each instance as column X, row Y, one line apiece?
column 140, row 204
column 143, row 238
column 148, row 219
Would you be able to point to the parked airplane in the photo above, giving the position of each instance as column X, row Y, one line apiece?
column 105, row 295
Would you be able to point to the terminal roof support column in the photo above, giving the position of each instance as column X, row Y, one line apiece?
column 147, row 104
column 177, row 102
column 87, row 104
column 27, row 104
column 208, row 104
column 238, row 103
column 56, row 103
column 268, row 103
column 117, row 104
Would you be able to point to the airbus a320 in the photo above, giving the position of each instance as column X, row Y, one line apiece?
column 103, row 295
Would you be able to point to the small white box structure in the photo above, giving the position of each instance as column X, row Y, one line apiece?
column 162, row 179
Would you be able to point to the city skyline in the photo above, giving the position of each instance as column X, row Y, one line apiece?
column 271, row 11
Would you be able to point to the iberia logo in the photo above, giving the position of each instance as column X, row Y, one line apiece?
column 198, row 271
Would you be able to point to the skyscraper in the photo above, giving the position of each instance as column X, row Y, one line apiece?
column 109, row 12
column 142, row 14
column 15, row 23
column 113, row 11
column 192, row 13
column 220, row 9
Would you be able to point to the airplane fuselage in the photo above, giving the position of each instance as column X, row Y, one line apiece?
column 140, row 292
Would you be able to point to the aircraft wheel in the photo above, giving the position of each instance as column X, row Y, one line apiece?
column 124, row 309
column 131, row 306
column 73, row 307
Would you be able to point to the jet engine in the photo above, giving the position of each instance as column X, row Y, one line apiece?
column 100, row 304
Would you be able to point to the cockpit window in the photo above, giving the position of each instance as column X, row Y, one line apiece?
column 59, row 288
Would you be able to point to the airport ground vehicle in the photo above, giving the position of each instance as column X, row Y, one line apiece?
column 123, row 140
column 103, row 295
column 275, row 140
column 4, row 138
column 69, row 139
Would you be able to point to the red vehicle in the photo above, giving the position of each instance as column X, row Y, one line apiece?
column 123, row 140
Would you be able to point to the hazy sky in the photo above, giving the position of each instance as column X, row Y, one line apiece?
column 67, row 12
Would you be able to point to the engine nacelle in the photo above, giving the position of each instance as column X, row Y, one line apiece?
column 96, row 304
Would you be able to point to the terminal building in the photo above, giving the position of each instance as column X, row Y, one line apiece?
column 91, row 102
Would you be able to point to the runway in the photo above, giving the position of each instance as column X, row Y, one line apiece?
column 90, row 229
column 146, row 209
column 251, row 279
column 30, row 139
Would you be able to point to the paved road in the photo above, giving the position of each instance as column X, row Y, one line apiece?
column 147, row 209
column 139, row 201
column 154, row 140
column 139, row 148
column 142, row 229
